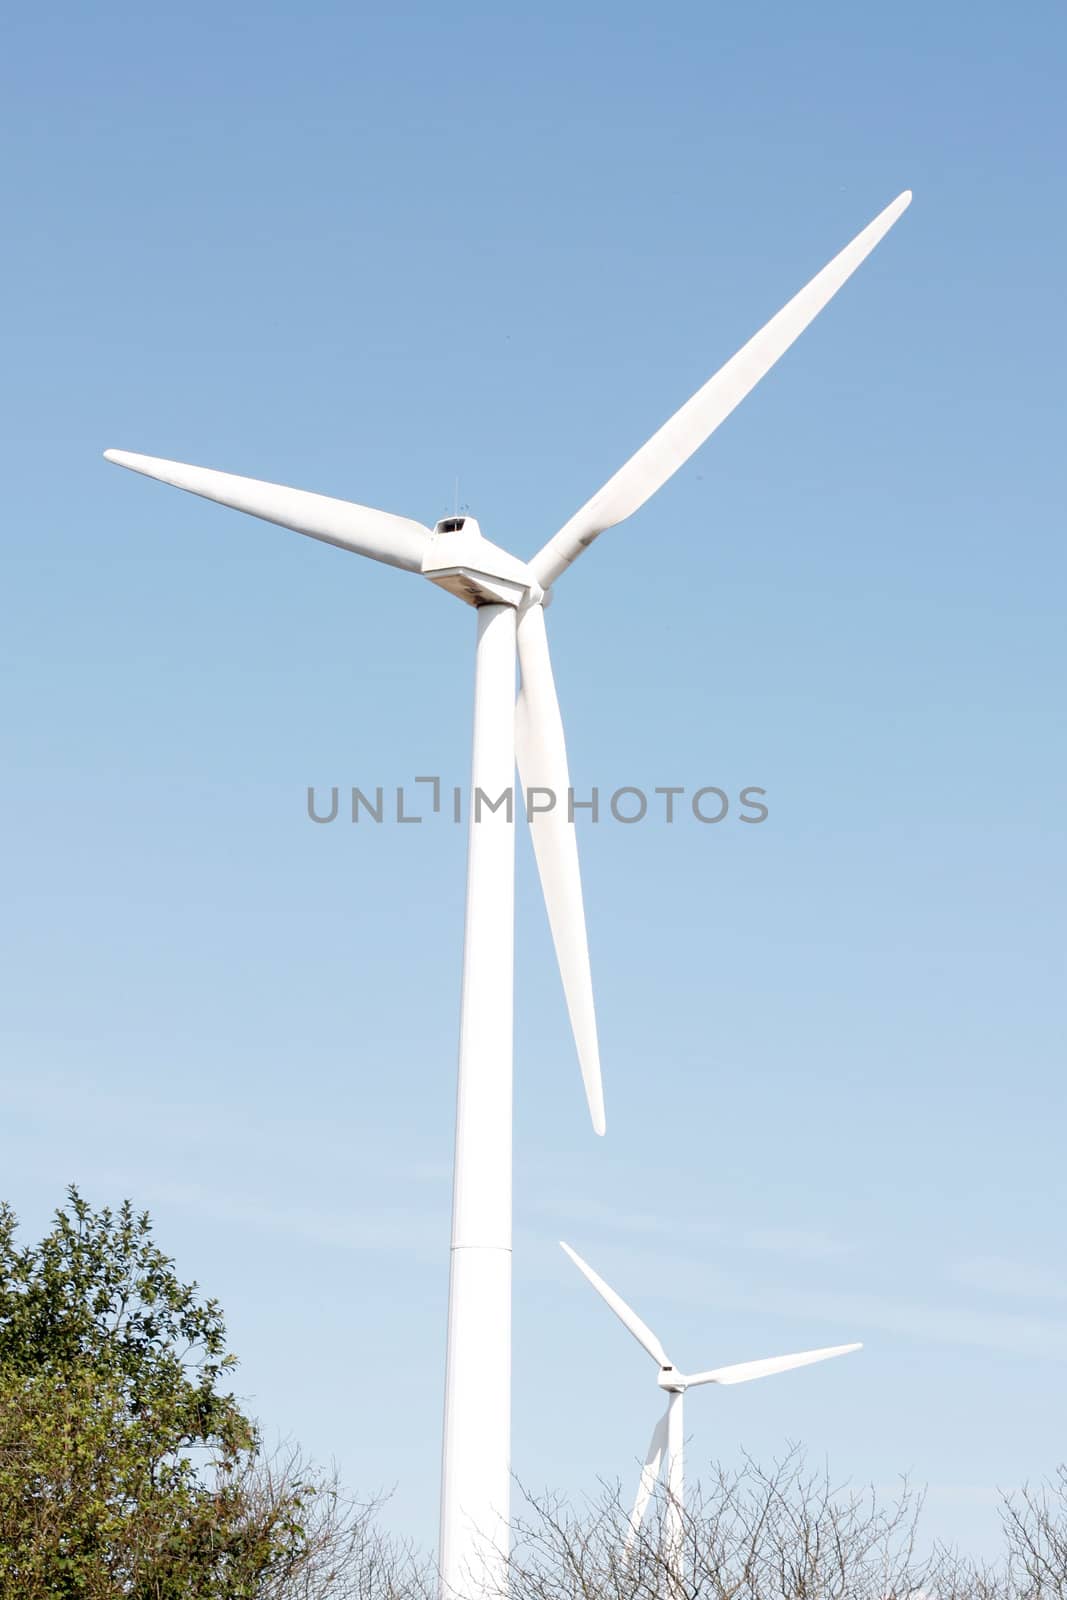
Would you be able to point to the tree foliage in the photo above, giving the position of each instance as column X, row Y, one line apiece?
column 124, row 1458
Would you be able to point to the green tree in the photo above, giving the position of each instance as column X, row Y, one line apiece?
column 125, row 1462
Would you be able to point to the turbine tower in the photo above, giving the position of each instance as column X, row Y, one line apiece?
column 509, row 597
column 668, row 1436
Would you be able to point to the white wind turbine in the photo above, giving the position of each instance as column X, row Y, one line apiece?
column 668, row 1436
column 510, row 596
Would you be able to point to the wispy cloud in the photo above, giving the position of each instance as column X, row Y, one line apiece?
column 1018, row 1279
column 410, row 1232
column 853, row 1313
column 165, row 1127
column 967, row 1494
column 800, row 1243
column 797, row 1243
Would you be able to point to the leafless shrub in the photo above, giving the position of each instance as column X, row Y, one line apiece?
column 1035, row 1530
column 779, row 1533
column 341, row 1552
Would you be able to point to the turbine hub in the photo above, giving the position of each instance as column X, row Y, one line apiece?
column 672, row 1380
column 474, row 569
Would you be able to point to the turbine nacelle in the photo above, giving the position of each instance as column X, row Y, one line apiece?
column 460, row 560
column 672, row 1380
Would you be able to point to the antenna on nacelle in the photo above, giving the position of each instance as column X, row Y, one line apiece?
column 459, row 508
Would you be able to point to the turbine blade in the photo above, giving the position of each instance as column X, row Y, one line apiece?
column 542, row 759
column 686, row 431
column 649, row 1474
column 629, row 1318
column 399, row 541
column 747, row 1370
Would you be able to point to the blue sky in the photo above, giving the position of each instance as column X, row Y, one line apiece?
column 368, row 252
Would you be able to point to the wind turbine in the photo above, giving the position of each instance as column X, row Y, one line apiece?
column 669, row 1433
column 509, row 596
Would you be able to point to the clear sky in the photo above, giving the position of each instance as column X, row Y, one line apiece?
column 369, row 251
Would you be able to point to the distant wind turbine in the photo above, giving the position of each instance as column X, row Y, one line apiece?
column 668, row 1436
column 510, row 596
